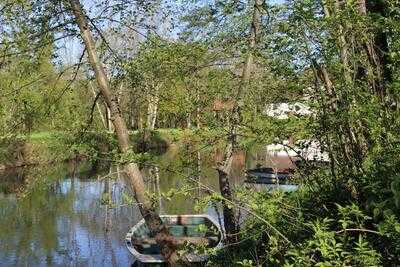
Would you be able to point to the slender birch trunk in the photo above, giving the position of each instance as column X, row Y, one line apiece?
column 103, row 120
column 109, row 121
column 198, row 119
column 152, row 219
column 152, row 109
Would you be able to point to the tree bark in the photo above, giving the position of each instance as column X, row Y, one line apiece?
column 103, row 120
column 375, row 52
column 153, row 98
column 230, row 223
column 377, row 49
column 374, row 46
column 152, row 219
column 198, row 103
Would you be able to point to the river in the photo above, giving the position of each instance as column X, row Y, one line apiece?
column 71, row 215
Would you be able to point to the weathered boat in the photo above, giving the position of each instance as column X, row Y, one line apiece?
column 188, row 229
column 269, row 175
column 270, row 179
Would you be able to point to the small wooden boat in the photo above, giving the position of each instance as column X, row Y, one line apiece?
column 188, row 229
column 270, row 179
column 268, row 175
column 262, row 187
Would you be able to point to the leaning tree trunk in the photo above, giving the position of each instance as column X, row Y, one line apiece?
column 152, row 219
column 231, row 225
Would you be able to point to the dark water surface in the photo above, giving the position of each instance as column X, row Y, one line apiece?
column 57, row 215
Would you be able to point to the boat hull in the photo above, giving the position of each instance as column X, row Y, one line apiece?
column 156, row 259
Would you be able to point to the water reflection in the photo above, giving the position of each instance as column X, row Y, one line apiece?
column 69, row 215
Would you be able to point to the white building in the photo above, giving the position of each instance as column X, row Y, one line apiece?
column 306, row 149
column 284, row 110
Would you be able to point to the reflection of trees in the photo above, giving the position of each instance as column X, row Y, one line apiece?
column 108, row 219
column 31, row 222
column 46, row 224
column 182, row 167
column 154, row 184
column 11, row 181
column 61, row 220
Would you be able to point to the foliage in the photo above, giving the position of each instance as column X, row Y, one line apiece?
column 341, row 58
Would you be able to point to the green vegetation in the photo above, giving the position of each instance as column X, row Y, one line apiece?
column 48, row 147
column 37, row 148
column 206, row 84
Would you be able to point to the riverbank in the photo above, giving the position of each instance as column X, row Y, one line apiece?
column 37, row 148
column 50, row 147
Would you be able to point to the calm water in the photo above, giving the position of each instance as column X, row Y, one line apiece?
column 57, row 215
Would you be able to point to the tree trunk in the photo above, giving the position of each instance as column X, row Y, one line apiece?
column 132, row 113
column 109, row 121
column 377, row 50
column 198, row 123
column 153, row 98
column 230, row 223
column 152, row 219
column 189, row 120
column 358, row 137
column 103, row 120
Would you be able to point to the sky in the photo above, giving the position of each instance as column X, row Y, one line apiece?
column 70, row 49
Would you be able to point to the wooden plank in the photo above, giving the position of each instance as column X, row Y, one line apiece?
column 206, row 241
